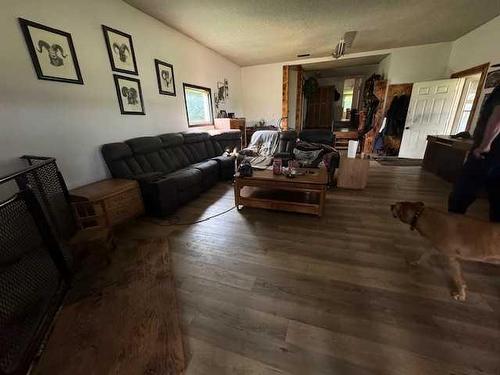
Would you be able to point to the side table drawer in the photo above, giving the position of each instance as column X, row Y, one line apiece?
column 124, row 206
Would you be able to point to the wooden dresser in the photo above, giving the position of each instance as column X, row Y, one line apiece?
column 120, row 199
column 445, row 156
column 232, row 123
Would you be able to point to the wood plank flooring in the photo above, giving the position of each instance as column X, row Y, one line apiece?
column 264, row 292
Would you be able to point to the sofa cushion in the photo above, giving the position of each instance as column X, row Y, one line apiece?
column 171, row 139
column 207, row 167
column 184, row 179
column 147, row 153
column 225, row 162
column 195, row 137
column 226, row 166
column 194, row 146
column 210, row 171
column 144, row 145
column 228, row 140
column 120, row 161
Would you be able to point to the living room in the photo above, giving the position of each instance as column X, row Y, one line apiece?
column 206, row 188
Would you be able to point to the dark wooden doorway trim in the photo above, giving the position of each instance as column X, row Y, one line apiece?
column 483, row 69
column 299, row 100
column 284, row 98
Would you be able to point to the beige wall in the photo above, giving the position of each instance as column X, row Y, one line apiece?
column 409, row 64
column 419, row 63
column 480, row 46
column 71, row 121
column 262, row 92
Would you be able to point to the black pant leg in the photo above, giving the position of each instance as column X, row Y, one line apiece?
column 493, row 188
column 472, row 178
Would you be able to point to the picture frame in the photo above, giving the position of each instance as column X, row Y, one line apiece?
column 129, row 92
column 52, row 52
column 165, row 78
column 120, row 51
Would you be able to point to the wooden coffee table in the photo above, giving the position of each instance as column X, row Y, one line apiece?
column 303, row 194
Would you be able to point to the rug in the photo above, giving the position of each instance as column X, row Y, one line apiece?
column 123, row 320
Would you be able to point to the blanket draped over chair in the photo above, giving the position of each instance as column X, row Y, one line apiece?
column 261, row 149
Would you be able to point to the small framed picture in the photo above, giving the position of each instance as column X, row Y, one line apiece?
column 52, row 53
column 120, row 50
column 129, row 95
column 165, row 76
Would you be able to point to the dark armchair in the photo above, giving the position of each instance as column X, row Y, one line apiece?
column 323, row 136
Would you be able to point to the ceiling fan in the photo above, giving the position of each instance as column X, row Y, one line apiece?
column 344, row 43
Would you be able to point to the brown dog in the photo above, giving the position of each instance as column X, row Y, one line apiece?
column 457, row 236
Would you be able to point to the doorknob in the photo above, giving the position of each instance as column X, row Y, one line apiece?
column 407, row 127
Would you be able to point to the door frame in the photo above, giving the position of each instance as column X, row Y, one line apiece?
column 483, row 69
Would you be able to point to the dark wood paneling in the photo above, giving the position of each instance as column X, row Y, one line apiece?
column 320, row 108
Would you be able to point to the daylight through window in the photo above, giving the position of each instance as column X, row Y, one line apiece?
column 198, row 105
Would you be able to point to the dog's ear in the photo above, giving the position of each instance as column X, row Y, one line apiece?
column 420, row 205
column 396, row 209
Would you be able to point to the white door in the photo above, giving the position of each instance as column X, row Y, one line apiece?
column 431, row 112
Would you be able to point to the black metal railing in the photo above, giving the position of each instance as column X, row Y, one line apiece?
column 34, row 266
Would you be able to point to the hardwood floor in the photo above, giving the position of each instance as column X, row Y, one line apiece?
column 264, row 292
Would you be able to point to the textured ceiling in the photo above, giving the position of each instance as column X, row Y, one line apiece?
column 252, row 32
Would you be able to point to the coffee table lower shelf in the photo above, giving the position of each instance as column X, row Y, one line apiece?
column 300, row 198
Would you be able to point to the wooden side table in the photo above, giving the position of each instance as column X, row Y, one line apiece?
column 232, row 123
column 353, row 173
column 116, row 200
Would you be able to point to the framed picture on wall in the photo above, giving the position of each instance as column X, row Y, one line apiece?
column 52, row 52
column 129, row 95
column 165, row 77
column 120, row 50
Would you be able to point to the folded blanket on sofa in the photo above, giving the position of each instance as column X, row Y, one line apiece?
column 263, row 145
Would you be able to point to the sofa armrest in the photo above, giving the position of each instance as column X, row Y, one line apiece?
column 158, row 193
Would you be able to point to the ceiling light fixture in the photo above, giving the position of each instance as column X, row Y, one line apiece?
column 339, row 49
column 344, row 43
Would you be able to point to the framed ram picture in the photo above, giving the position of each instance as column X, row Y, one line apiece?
column 129, row 95
column 165, row 77
column 120, row 50
column 52, row 52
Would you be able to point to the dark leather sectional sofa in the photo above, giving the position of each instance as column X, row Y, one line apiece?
column 173, row 168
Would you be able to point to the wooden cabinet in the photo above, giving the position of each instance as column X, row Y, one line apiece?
column 232, row 123
column 320, row 108
column 120, row 200
column 444, row 156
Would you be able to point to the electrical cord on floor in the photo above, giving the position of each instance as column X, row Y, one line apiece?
column 172, row 222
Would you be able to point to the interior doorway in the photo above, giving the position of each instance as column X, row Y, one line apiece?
column 326, row 95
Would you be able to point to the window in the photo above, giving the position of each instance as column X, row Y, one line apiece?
column 466, row 103
column 198, row 105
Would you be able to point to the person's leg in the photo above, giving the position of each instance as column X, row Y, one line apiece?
column 493, row 187
column 471, row 180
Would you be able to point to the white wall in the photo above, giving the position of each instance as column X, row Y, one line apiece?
column 262, row 92
column 383, row 66
column 71, row 121
column 419, row 63
column 263, row 83
column 477, row 47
